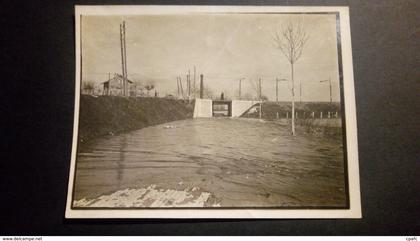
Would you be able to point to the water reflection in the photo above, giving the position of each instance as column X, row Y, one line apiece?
column 122, row 154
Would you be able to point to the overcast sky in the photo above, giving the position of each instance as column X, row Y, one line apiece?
column 223, row 47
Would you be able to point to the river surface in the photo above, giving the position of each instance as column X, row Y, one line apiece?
column 237, row 162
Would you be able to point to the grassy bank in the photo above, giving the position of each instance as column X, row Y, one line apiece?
column 304, row 123
column 107, row 115
column 271, row 108
column 321, row 127
column 317, row 127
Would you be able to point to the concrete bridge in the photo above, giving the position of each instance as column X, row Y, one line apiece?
column 228, row 108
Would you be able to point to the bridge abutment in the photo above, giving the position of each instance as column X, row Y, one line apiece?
column 239, row 107
column 204, row 107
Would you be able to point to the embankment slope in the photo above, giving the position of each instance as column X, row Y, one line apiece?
column 271, row 108
column 106, row 115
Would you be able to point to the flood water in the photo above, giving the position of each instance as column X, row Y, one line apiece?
column 240, row 162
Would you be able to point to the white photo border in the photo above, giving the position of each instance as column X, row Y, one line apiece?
column 354, row 210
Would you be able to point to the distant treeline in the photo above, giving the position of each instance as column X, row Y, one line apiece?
column 108, row 115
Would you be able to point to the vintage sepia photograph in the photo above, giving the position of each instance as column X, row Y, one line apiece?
column 213, row 112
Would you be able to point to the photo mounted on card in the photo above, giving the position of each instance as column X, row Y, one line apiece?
column 213, row 112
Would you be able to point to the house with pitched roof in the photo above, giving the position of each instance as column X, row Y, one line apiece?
column 114, row 86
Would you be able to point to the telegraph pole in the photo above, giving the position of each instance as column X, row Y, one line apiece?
column 182, row 89
column 109, row 82
column 125, row 63
column 194, row 83
column 189, row 84
column 201, row 86
column 240, row 83
column 330, row 90
column 259, row 83
column 240, row 87
column 177, row 85
column 329, row 80
column 122, row 57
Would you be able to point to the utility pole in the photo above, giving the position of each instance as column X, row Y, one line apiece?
column 180, row 85
column 186, row 86
column 201, row 86
column 177, row 85
column 259, row 84
column 240, row 83
column 240, row 88
column 122, row 58
column 189, row 84
column 125, row 64
column 106, row 92
column 194, row 83
column 329, row 78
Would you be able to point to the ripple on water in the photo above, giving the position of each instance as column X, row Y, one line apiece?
column 238, row 161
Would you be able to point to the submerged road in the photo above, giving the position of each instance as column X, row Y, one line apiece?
column 234, row 162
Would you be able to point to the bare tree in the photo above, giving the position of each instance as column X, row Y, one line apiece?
column 256, row 87
column 88, row 87
column 291, row 41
